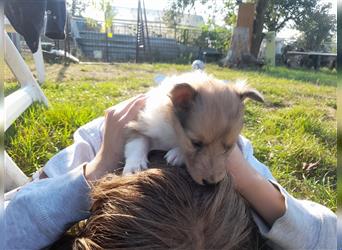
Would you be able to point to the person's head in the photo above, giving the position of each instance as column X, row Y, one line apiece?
column 163, row 209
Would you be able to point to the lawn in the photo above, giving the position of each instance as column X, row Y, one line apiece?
column 293, row 132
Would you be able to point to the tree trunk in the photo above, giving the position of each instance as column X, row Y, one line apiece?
column 238, row 48
column 258, row 26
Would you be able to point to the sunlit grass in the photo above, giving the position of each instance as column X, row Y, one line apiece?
column 295, row 127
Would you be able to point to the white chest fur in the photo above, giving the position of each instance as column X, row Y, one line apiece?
column 156, row 132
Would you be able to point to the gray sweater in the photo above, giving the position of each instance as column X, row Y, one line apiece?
column 41, row 211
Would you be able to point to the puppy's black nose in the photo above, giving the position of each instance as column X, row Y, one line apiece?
column 207, row 183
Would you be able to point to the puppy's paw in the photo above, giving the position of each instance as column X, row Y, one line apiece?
column 175, row 157
column 133, row 166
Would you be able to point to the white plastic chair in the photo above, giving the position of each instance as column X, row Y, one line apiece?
column 17, row 102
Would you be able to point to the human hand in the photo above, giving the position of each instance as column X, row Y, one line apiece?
column 111, row 151
column 235, row 166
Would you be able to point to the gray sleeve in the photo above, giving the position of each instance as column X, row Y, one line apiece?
column 87, row 142
column 305, row 225
column 42, row 211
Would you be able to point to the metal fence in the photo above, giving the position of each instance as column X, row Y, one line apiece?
column 89, row 41
column 119, row 43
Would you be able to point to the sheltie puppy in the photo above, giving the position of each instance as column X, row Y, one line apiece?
column 195, row 118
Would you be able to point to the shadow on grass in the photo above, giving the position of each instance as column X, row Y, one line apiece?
column 61, row 73
column 10, row 88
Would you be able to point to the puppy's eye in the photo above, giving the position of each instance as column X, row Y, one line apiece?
column 226, row 147
column 198, row 145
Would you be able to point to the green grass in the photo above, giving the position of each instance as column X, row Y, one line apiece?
column 295, row 127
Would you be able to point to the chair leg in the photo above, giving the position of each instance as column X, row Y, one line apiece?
column 16, row 103
column 14, row 177
column 20, row 69
column 39, row 61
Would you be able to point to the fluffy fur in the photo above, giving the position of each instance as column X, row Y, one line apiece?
column 196, row 118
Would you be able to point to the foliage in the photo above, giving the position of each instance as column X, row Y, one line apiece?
column 277, row 15
column 230, row 10
column 317, row 26
column 214, row 36
column 76, row 7
column 109, row 14
column 295, row 127
column 180, row 6
column 171, row 17
column 174, row 12
column 106, row 7
column 92, row 25
column 280, row 12
column 177, row 8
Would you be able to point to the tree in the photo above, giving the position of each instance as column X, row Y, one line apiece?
column 108, row 12
column 76, row 7
column 106, row 7
column 270, row 15
column 178, row 7
column 317, row 26
column 259, row 21
column 216, row 36
column 273, row 15
column 280, row 12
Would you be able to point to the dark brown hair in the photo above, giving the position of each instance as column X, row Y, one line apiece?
column 163, row 209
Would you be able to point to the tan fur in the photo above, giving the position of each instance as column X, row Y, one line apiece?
column 214, row 118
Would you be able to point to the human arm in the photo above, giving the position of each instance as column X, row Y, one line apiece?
column 111, row 151
column 43, row 210
column 264, row 198
column 87, row 142
column 292, row 223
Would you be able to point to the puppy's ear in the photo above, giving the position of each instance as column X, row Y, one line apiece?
column 251, row 93
column 244, row 91
column 182, row 97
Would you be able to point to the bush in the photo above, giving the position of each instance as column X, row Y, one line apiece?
column 214, row 36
